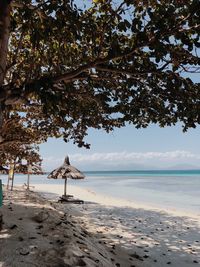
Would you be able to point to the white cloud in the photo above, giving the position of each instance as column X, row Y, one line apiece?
column 132, row 156
column 52, row 161
column 124, row 158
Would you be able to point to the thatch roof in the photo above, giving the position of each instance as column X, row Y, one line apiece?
column 66, row 171
column 3, row 170
column 23, row 168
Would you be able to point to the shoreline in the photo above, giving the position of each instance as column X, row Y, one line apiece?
column 182, row 206
column 94, row 234
column 90, row 196
column 154, row 237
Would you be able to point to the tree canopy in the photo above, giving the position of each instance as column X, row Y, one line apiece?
column 14, row 154
column 68, row 67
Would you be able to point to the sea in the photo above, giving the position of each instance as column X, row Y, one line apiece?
column 166, row 189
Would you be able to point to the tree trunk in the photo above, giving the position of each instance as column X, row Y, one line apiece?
column 8, row 181
column 12, row 185
column 13, row 175
column 4, row 36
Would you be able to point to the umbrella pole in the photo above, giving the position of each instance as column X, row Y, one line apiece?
column 12, row 184
column 65, row 190
column 8, row 182
column 28, row 181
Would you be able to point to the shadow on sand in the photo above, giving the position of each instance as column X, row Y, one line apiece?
column 37, row 233
column 153, row 238
column 96, row 235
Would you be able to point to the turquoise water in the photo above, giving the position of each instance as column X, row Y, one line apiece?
column 179, row 190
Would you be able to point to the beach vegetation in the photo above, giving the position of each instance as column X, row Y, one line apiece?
column 19, row 158
column 68, row 66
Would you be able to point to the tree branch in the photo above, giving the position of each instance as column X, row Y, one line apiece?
column 11, row 142
column 92, row 64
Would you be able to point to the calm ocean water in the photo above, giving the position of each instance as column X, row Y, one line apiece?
column 179, row 190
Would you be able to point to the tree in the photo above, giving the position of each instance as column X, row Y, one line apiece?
column 33, row 163
column 13, row 154
column 23, row 129
column 32, row 157
column 100, row 66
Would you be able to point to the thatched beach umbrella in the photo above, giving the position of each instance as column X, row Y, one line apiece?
column 32, row 169
column 3, row 170
column 64, row 172
column 29, row 169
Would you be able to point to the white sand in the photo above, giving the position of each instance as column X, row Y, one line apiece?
column 88, row 195
column 101, row 232
column 152, row 237
column 60, row 240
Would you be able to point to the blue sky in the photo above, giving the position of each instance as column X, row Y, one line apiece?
column 128, row 148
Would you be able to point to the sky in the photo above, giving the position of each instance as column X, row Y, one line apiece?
column 128, row 149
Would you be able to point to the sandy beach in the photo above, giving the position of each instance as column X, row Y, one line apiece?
column 101, row 232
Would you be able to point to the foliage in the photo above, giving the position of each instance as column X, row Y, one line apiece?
column 70, row 67
column 15, row 154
